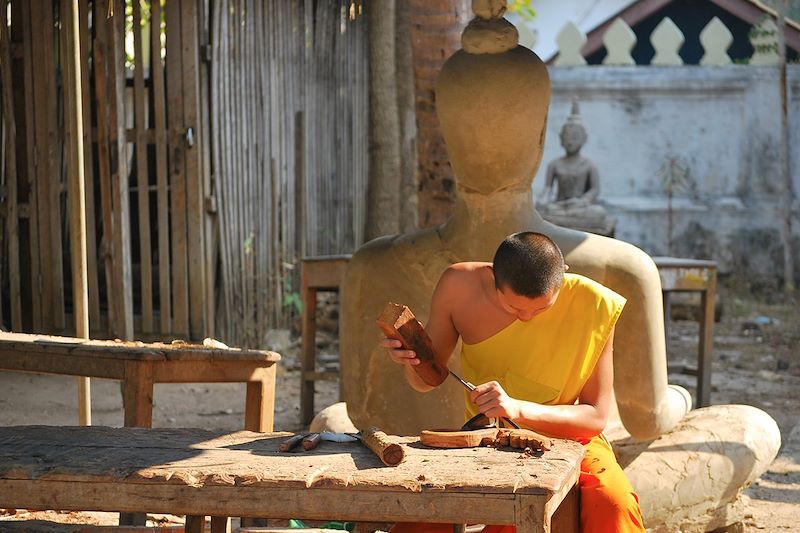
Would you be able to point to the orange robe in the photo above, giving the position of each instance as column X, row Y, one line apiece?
column 548, row 361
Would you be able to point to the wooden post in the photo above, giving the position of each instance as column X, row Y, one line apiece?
column 194, row 182
column 142, row 174
column 77, row 195
column 12, row 218
column 121, row 238
column 177, row 172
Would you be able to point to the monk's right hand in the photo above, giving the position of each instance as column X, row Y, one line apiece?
column 398, row 354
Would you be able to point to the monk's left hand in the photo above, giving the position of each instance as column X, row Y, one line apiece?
column 493, row 401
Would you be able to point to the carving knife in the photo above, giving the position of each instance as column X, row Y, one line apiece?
column 471, row 387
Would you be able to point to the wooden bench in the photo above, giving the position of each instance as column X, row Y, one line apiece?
column 140, row 365
column 200, row 473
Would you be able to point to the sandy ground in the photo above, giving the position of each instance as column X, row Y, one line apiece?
column 757, row 362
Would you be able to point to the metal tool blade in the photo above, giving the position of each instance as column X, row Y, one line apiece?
column 470, row 386
column 467, row 384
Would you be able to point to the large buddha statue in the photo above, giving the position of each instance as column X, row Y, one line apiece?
column 572, row 184
column 492, row 100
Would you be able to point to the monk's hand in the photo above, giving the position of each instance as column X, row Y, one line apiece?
column 398, row 354
column 493, row 401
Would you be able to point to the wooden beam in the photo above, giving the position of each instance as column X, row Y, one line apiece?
column 142, row 174
column 100, row 72
column 73, row 103
column 121, row 244
column 12, row 217
column 195, row 240
column 177, row 171
column 162, row 184
column 91, row 225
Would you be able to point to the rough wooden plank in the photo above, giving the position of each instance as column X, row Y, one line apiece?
column 204, row 459
column 91, row 224
column 177, row 173
column 100, row 74
column 21, row 23
column 142, row 179
column 196, row 246
column 162, row 184
column 121, row 238
column 12, row 217
column 41, row 47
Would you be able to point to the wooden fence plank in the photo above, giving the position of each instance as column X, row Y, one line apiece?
column 177, row 143
column 193, row 178
column 123, row 293
column 91, row 225
column 100, row 73
column 142, row 179
column 162, row 185
column 204, row 139
column 12, row 217
column 42, row 281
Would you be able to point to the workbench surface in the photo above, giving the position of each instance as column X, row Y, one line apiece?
column 198, row 472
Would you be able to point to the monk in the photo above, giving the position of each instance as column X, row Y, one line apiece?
column 539, row 341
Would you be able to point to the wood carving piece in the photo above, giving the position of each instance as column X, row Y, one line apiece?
column 458, row 439
column 399, row 323
column 390, row 453
column 523, row 438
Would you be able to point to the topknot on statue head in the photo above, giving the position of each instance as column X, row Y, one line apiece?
column 492, row 98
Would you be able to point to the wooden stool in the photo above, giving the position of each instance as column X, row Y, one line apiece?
column 321, row 273
column 693, row 275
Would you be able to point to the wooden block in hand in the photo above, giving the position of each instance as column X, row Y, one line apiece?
column 399, row 323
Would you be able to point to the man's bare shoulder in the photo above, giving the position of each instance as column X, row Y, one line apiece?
column 463, row 276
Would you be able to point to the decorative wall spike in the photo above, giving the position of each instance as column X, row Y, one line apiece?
column 667, row 41
column 716, row 38
column 619, row 40
column 764, row 38
column 570, row 42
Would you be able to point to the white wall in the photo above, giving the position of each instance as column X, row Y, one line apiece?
column 724, row 125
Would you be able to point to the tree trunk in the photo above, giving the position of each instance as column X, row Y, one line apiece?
column 408, row 128
column 436, row 27
column 383, row 188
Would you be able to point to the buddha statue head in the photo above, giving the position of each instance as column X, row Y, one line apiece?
column 492, row 98
column 573, row 133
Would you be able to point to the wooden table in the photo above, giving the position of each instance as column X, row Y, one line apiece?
column 200, row 473
column 693, row 275
column 140, row 365
column 320, row 273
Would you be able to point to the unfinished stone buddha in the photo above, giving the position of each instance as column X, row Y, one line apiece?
column 492, row 100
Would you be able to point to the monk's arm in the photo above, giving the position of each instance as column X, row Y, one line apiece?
column 440, row 328
column 585, row 419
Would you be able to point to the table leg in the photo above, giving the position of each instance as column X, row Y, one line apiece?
column 531, row 516
column 705, row 356
column 132, row 519
column 308, row 358
column 259, row 410
column 195, row 524
column 220, row 524
column 567, row 518
column 137, row 394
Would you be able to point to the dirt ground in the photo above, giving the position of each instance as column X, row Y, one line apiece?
column 756, row 362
